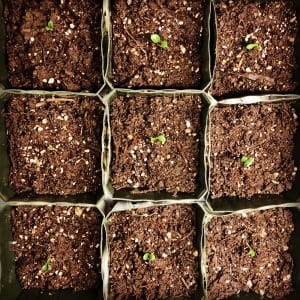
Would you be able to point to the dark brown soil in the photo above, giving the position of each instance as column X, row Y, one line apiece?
column 138, row 62
column 68, row 237
column 262, row 132
column 65, row 58
column 171, row 165
column 230, row 267
column 168, row 232
column 54, row 144
column 240, row 71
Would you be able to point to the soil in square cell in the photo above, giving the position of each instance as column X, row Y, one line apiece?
column 255, row 49
column 54, row 45
column 156, row 142
column 250, row 252
column 153, row 253
column 56, row 247
column 172, row 59
column 54, row 144
column 252, row 149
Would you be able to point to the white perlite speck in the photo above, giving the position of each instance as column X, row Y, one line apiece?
column 249, row 284
column 182, row 49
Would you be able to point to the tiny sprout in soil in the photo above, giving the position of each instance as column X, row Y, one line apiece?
column 49, row 26
column 149, row 256
column 251, row 252
column 53, row 149
column 247, row 160
column 254, row 46
column 156, row 39
column 47, row 265
column 161, row 138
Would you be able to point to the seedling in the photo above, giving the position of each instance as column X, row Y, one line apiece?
column 161, row 138
column 149, row 256
column 254, row 46
column 49, row 26
column 247, row 160
column 47, row 265
column 53, row 149
column 251, row 252
column 156, row 39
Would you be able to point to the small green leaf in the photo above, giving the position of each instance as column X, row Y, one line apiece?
column 47, row 266
column 155, row 38
column 254, row 46
column 152, row 257
column 49, row 26
column 251, row 252
column 161, row 138
column 247, row 160
column 44, row 267
column 149, row 256
column 164, row 44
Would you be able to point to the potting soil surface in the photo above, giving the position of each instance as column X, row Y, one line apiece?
column 139, row 62
column 54, row 144
column 270, row 66
column 249, row 252
column 262, row 133
column 54, row 45
column 168, row 233
column 56, row 247
column 145, row 164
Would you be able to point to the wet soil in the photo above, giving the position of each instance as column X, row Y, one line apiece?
column 264, row 133
column 54, row 144
column 232, row 268
column 68, row 238
column 138, row 62
column 269, row 68
column 68, row 57
column 172, row 164
column 167, row 232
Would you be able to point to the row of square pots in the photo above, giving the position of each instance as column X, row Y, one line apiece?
column 204, row 156
column 203, row 225
column 208, row 48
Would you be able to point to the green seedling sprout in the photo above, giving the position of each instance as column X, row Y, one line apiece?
column 247, row 160
column 47, row 265
column 149, row 256
column 161, row 138
column 156, row 39
column 49, row 26
column 253, row 46
column 251, row 252
column 164, row 44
